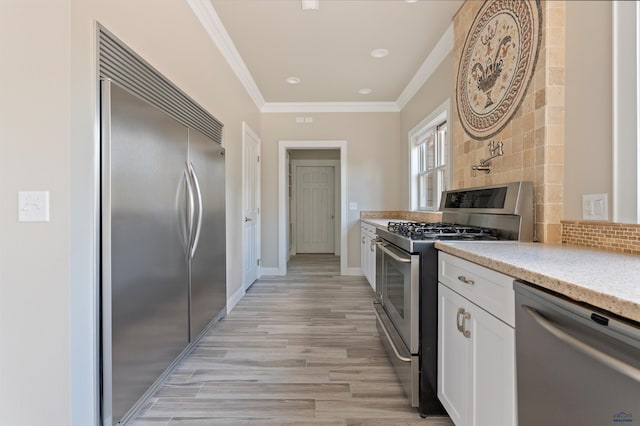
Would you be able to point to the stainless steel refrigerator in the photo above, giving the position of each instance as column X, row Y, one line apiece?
column 163, row 244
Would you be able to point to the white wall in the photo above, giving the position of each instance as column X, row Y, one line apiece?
column 48, row 142
column 588, row 103
column 48, row 136
column 34, row 257
column 374, row 167
column 433, row 93
column 315, row 154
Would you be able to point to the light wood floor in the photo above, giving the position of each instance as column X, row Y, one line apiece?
column 296, row 350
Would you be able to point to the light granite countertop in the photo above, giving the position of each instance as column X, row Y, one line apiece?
column 606, row 280
column 380, row 222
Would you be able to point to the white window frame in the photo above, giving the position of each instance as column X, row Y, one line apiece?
column 626, row 112
column 429, row 124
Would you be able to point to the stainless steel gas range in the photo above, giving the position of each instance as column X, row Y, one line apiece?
column 407, row 276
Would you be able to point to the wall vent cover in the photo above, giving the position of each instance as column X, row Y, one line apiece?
column 116, row 61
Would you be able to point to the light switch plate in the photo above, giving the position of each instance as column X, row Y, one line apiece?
column 595, row 207
column 353, row 205
column 33, row 206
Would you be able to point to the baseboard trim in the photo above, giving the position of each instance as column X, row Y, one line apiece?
column 234, row 299
column 355, row 271
column 270, row 272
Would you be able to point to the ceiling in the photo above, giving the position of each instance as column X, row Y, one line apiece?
column 329, row 49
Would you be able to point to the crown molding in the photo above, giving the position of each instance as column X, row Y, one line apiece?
column 279, row 107
column 435, row 58
column 209, row 19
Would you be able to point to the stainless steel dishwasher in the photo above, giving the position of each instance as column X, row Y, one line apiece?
column 575, row 365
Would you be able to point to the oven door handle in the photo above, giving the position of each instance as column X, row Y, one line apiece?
column 376, row 306
column 392, row 254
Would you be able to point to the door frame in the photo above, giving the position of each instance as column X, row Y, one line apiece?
column 283, row 214
column 336, row 199
column 247, row 131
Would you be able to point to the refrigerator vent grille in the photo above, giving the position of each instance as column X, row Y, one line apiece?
column 120, row 64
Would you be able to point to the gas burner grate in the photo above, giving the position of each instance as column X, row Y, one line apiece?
column 441, row 231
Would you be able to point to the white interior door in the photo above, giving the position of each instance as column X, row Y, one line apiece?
column 250, row 206
column 315, row 212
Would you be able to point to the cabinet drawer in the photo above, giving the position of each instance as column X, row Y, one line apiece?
column 368, row 228
column 484, row 287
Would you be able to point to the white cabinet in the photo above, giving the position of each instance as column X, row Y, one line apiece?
column 364, row 256
column 368, row 252
column 476, row 344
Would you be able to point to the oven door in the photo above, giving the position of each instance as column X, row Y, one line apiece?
column 399, row 280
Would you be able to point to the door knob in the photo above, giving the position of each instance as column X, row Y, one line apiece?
column 246, row 219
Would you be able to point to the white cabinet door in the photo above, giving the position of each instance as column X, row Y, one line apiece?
column 493, row 370
column 368, row 253
column 371, row 264
column 364, row 253
column 453, row 356
column 476, row 363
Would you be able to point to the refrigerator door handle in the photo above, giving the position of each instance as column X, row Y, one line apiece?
column 190, row 211
column 106, row 258
column 198, row 227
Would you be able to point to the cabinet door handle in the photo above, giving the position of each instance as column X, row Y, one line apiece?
column 466, row 333
column 461, row 317
column 459, row 324
column 466, row 280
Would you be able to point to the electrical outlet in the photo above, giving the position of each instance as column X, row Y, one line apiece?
column 595, row 207
column 33, row 206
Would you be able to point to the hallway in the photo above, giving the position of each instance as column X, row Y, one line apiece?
column 299, row 349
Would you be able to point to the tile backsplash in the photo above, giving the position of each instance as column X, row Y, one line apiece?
column 534, row 138
column 616, row 237
column 403, row 215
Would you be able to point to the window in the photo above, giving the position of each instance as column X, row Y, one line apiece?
column 626, row 112
column 429, row 162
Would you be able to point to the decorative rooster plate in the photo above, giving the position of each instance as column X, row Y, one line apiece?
column 497, row 63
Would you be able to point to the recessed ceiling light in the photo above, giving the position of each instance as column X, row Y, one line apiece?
column 293, row 80
column 365, row 91
column 411, row 1
column 379, row 53
column 310, row 4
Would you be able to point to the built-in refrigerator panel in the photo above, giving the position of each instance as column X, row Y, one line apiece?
column 144, row 266
column 208, row 269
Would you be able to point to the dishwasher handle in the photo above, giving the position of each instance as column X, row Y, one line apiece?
column 605, row 359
